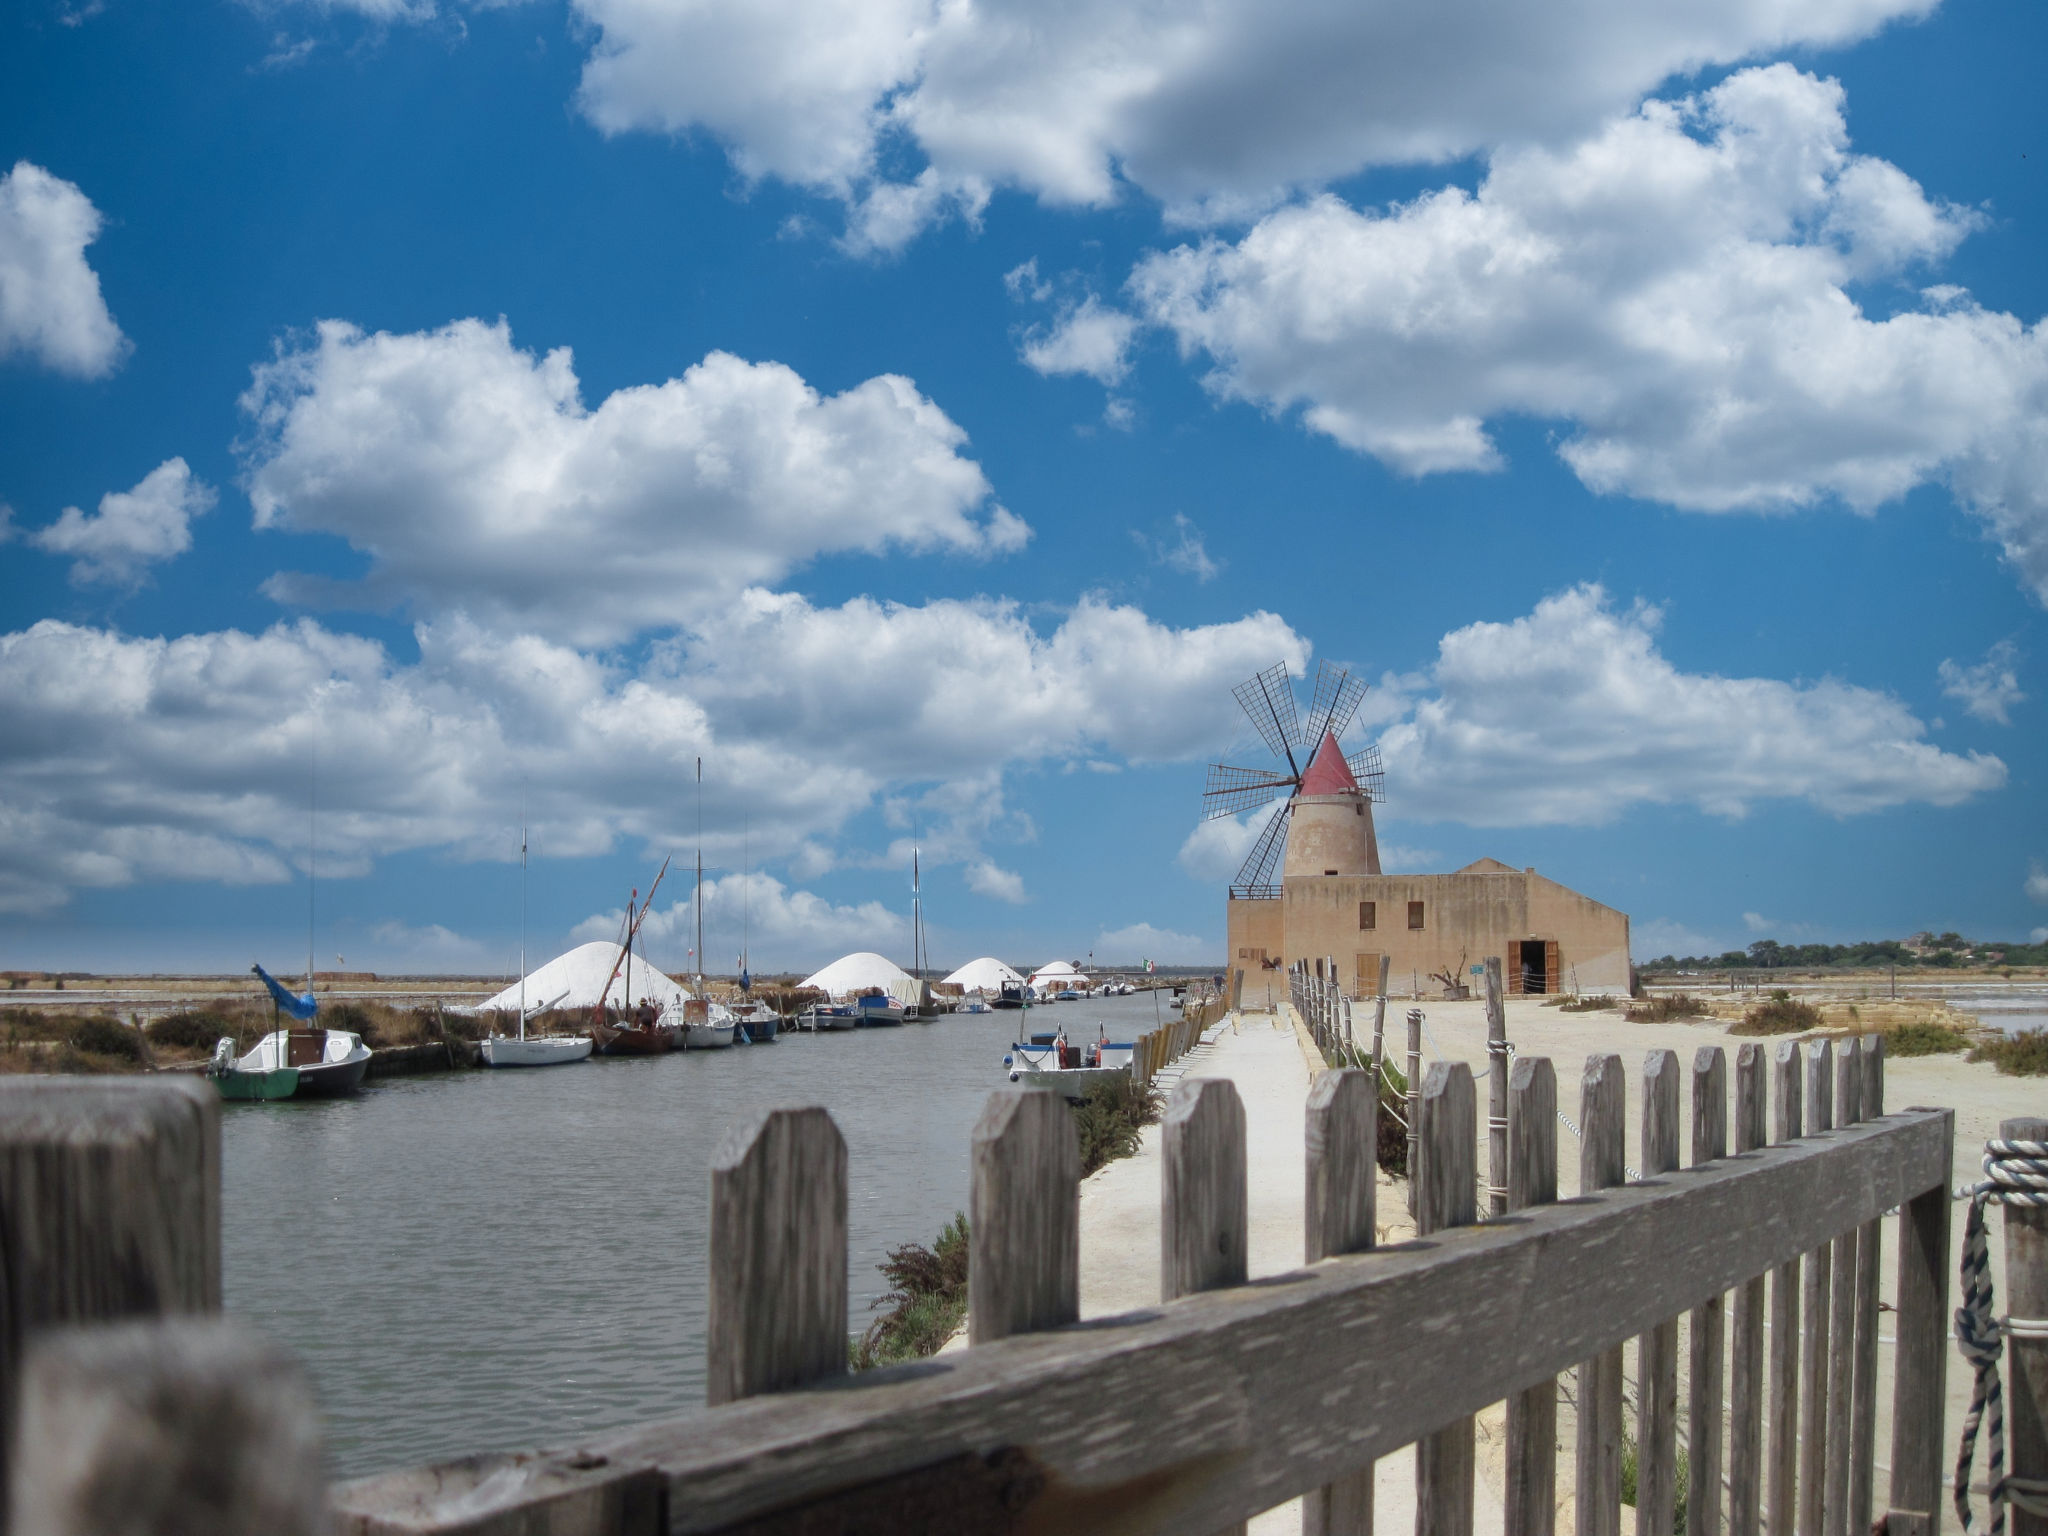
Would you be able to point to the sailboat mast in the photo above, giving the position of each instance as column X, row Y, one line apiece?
column 312, row 859
column 697, row 901
column 522, row 922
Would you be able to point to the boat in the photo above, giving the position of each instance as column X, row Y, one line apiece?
column 708, row 1026
column 974, row 1005
column 1069, row 995
column 251, row 1085
column 1013, row 995
column 1052, row 1061
column 327, row 1061
column 875, row 1009
column 827, row 1016
column 536, row 1050
column 759, row 1023
column 632, row 1031
column 919, row 1006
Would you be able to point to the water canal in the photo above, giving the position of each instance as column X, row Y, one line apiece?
column 493, row 1260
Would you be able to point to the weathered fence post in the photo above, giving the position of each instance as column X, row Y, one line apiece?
column 1532, row 1414
column 1204, row 1202
column 1496, row 1092
column 1786, row 1083
column 1602, row 1164
column 777, row 1306
column 1841, row 1361
column 1657, row 1350
column 163, row 1429
column 1023, row 1217
column 1813, row 1363
column 1414, row 1099
column 1379, row 1019
column 1920, row 1361
column 1746, row 1368
column 1445, row 1461
column 1869, row 1243
column 1343, row 1136
column 109, row 1207
column 1704, row 1336
column 2026, row 1297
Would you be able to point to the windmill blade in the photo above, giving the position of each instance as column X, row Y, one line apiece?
column 1255, row 875
column 1365, row 768
column 1233, row 791
column 1268, row 700
column 1336, row 700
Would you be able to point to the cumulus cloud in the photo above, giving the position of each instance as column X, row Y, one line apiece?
column 778, row 926
column 1675, row 289
column 133, row 529
column 1216, row 108
column 1142, row 941
column 50, row 304
column 194, row 758
column 1990, row 688
column 1087, row 338
column 1216, row 849
column 2037, row 881
column 987, row 878
column 1572, row 716
column 1183, row 551
column 475, row 478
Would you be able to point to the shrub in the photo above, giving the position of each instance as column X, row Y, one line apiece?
column 1683, row 1481
column 1666, row 1007
column 1109, row 1118
column 102, row 1036
column 1585, row 1004
column 1782, row 1015
column 1391, row 1152
column 34, row 1024
column 2022, row 1055
column 190, row 1029
column 927, row 1300
column 1926, row 1037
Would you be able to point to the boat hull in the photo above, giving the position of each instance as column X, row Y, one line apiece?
column 1070, row 1082
column 333, row 1077
column 879, row 1018
column 256, row 1087
column 709, row 1037
column 550, row 1051
column 632, row 1042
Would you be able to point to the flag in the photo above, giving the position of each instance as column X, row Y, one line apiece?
column 1148, row 967
column 300, row 1005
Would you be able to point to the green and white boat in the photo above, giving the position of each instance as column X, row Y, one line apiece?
column 249, row 1083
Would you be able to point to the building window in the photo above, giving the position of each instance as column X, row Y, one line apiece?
column 1329, row 871
column 1414, row 914
column 1368, row 915
column 1244, row 954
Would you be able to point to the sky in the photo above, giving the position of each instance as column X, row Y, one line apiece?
column 422, row 420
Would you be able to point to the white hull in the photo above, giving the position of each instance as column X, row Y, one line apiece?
column 1072, row 1082
column 537, row 1052
column 708, row 1037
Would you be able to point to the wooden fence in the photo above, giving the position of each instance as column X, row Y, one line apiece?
column 1165, row 1045
column 1224, row 1400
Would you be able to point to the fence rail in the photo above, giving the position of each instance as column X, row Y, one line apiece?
column 1227, row 1398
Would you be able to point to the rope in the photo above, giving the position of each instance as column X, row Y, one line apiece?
column 2015, row 1173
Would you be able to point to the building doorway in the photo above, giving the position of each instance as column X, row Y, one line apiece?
column 1531, row 962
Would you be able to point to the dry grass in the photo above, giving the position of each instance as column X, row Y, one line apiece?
column 2022, row 1055
column 1667, row 1007
column 1781, row 1015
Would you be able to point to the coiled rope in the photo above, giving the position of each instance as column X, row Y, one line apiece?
column 2015, row 1173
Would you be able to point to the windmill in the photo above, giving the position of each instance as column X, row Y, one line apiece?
column 1315, row 766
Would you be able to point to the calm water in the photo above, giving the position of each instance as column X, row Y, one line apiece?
column 490, row 1260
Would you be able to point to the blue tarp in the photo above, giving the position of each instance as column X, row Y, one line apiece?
column 300, row 1005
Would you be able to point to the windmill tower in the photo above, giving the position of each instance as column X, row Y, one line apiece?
column 1325, row 827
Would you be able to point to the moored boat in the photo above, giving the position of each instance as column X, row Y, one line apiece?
column 760, row 1023
column 875, row 1010
column 708, row 1026
column 327, row 1060
column 252, row 1085
column 535, row 1050
column 1052, row 1061
column 827, row 1016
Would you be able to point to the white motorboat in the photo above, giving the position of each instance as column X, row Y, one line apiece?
column 708, row 1026
column 833, row 1016
column 760, row 1023
column 1050, row 1061
column 328, row 1060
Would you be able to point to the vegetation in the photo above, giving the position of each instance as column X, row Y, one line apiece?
column 100, row 1035
column 927, row 1301
column 1391, row 1153
column 1109, row 1119
column 1924, row 1037
column 1666, row 1007
column 1628, row 1481
column 1583, row 1004
column 1783, row 1014
column 189, row 1029
column 1942, row 951
column 2022, row 1055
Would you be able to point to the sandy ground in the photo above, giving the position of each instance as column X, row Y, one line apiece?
column 1272, row 1068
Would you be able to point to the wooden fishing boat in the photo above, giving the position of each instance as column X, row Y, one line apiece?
column 637, row 1034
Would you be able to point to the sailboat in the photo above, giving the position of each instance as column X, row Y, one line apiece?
column 641, row 1034
column 920, row 1007
column 759, row 1024
column 537, row 1050
column 707, row 1026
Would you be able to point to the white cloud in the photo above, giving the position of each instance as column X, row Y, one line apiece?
column 1142, row 941
column 1661, row 936
column 2038, row 936
column 403, row 947
column 1086, row 338
column 1572, row 716
column 50, row 303
column 779, row 927
column 475, row 478
column 1756, row 922
column 1989, row 689
column 1399, row 859
column 1184, row 552
column 1216, row 849
column 133, row 529
column 1216, row 108
column 2037, row 881
column 132, row 759
column 986, row 878
column 1675, row 289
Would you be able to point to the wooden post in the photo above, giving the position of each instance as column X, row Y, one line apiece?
column 1023, row 1217
column 777, row 1310
column 1705, row 1334
column 2026, row 1360
column 1496, row 1092
column 1532, row 1414
column 1445, row 1460
column 1817, row 1292
column 1379, row 1016
column 1746, row 1367
column 1343, row 1136
column 1781, row 1496
column 1602, row 1165
column 164, row 1428
column 1657, row 1350
column 109, row 1207
column 1203, row 1195
column 1841, row 1360
column 1920, row 1362
column 1414, row 1099
column 1869, row 1245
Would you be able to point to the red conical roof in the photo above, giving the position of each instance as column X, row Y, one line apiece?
column 1329, row 774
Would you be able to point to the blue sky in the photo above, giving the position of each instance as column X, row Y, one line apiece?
column 428, row 413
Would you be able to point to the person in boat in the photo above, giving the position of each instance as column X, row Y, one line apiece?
column 643, row 1016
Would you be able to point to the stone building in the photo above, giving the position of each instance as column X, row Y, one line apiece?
column 1333, row 903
